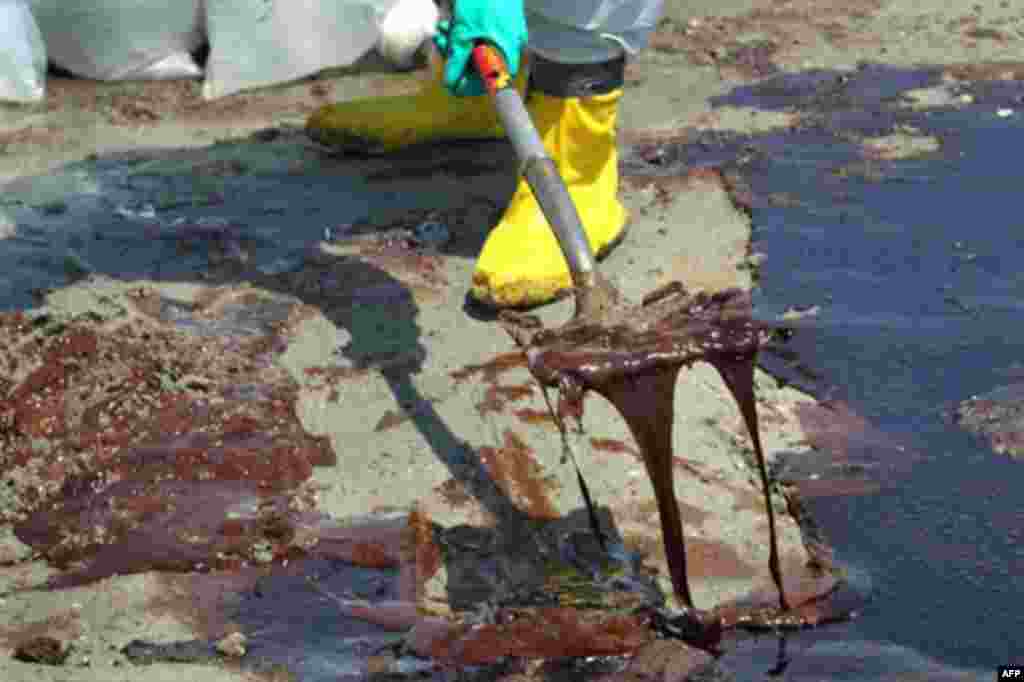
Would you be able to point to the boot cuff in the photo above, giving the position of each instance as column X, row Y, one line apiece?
column 556, row 79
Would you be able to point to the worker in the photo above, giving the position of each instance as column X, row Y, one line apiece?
column 575, row 51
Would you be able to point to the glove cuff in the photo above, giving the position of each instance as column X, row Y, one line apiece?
column 556, row 79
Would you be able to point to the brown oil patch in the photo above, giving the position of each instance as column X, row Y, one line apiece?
column 841, row 487
column 541, row 633
column 663, row 660
column 332, row 374
column 491, row 370
column 43, row 650
column 987, row 33
column 985, row 71
column 809, row 591
column 785, row 32
column 649, row 140
column 614, row 446
column 705, row 559
column 857, row 457
column 421, row 557
column 63, row 626
column 497, row 397
column 835, row 428
column 31, row 136
column 132, row 445
column 516, row 471
column 142, row 103
column 205, row 601
column 454, row 493
column 695, row 469
column 533, row 416
column 201, row 601
column 389, row 420
column 376, row 544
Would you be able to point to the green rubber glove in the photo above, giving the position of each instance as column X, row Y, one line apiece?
column 499, row 22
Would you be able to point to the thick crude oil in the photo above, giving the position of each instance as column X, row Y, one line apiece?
column 632, row 356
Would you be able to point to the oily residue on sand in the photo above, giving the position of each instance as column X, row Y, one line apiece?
column 632, row 357
column 142, row 442
column 515, row 469
column 867, row 209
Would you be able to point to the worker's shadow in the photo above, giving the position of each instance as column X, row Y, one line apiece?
column 377, row 310
column 501, row 564
column 397, row 322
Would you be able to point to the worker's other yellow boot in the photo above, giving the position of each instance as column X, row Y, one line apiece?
column 378, row 125
column 521, row 264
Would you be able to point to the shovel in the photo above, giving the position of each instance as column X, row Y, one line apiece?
column 602, row 317
column 594, row 294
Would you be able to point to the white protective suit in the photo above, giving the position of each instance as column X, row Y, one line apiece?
column 22, row 54
column 589, row 31
column 570, row 31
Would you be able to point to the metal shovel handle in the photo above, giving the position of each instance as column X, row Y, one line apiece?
column 537, row 167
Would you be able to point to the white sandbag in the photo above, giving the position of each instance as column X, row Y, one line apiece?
column 22, row 54
column 405, row 28
column 122, row 39
column 256, row 43
column 171, row 67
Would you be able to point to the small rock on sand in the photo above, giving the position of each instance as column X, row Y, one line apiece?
column 232, row 645
column 47, row 650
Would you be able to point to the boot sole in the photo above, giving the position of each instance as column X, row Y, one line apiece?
column 366, row 147
column 563, row 293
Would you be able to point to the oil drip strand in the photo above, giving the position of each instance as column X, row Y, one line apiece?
column 632, row 356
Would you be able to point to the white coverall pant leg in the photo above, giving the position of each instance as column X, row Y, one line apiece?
column 589, row 31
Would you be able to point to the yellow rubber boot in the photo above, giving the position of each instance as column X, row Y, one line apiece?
column 378, row 125
column 521, row 264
